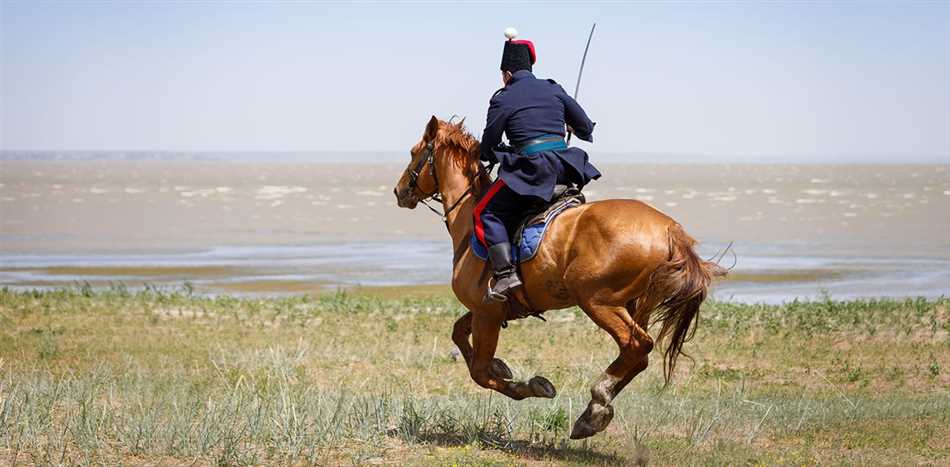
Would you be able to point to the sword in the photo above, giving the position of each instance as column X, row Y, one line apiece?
column 580, row 72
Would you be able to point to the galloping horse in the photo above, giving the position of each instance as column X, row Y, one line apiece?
column 621, row 261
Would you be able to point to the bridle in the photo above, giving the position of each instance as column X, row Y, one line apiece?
column 428, row 158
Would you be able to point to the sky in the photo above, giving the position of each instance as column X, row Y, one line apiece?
column 854, row 81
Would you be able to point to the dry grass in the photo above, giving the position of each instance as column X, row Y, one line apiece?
column 163, row 377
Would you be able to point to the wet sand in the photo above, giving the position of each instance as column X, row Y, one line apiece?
column 264, row 228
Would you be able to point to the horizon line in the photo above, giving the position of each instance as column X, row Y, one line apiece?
column 850, row 156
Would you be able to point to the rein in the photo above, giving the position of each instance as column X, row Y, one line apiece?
column 429, row 159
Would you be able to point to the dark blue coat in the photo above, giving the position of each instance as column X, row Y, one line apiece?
column 526, row 109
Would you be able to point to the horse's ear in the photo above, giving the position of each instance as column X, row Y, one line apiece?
column 461, row 123
column 432, row 129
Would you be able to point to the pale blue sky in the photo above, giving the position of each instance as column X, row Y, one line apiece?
column 847, row 81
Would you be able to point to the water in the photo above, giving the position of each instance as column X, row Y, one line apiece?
column 405, row 263
column 311, row 221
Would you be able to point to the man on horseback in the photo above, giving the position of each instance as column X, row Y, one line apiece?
column 534, row 114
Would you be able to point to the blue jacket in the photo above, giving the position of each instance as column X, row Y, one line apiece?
column 529, row 108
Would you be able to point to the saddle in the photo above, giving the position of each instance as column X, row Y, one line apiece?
column 565, row 197
column 530, row 232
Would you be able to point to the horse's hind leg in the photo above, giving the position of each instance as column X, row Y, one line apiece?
column 640, row 322
column 484, row 367
column 460, row 333
column 634, row 345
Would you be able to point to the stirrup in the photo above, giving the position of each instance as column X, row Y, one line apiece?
column 492, row 296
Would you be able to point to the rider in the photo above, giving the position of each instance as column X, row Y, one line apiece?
column 532, row 113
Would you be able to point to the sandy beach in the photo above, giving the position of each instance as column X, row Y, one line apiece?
column 289, row 227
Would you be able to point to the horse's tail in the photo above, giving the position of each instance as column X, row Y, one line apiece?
column 677, row 289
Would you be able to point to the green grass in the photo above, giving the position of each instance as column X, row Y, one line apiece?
column 165, row 377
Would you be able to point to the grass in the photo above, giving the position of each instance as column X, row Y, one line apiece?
column 161, row 376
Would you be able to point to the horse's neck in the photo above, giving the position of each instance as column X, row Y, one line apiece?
column 461, row 225
column 460, row 221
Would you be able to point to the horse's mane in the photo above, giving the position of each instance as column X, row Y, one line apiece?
column 464, row 150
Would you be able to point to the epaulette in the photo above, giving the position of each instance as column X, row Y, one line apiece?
column 552, row 81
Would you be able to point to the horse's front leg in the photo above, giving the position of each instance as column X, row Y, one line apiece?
column 460, row 333
column 490, row 372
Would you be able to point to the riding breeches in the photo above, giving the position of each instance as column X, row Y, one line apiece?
column 498, row 211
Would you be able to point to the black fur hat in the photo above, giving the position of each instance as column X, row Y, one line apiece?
column 518, row 54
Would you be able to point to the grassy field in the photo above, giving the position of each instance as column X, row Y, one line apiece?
column 369, row 377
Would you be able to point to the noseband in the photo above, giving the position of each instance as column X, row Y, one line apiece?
column 428, row 158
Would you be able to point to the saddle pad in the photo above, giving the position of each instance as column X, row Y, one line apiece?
column 523, row 251
column 525, row 245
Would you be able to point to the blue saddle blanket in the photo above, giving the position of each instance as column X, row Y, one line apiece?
column 525, row 245
column 524, row 250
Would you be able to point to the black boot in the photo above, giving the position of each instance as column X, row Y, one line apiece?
column 506, row 276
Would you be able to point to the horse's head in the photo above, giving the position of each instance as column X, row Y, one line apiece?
column 418, row 181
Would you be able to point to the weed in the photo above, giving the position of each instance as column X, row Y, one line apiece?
column 47, row 347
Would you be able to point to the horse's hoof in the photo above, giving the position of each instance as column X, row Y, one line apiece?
column 541, row 387
column 582, row 430
column 601, row 418
column 594, row 420
column 499, row 369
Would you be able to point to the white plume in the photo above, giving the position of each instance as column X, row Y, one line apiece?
column 511, row 32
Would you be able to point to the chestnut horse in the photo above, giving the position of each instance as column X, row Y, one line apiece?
column 621, row 261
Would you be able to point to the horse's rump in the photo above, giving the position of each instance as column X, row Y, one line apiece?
column 612, row 240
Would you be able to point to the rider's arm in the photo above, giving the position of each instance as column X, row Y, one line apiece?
column 494, row 127
column 576, row 118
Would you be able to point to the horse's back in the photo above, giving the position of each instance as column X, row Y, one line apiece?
column 624, row 220
column 628, row 210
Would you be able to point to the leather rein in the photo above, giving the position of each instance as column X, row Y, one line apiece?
column 429, row 159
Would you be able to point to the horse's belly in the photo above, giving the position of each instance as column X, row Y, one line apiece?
column 543, row 275
column 545, row 286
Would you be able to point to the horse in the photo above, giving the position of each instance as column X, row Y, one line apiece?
column 624, row 263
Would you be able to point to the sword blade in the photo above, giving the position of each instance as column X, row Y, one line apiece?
column 580, row 73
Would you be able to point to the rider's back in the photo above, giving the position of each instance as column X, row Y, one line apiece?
column 536, row 109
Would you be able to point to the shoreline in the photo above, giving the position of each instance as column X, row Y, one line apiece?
column 765, row 273
column 742, row 288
